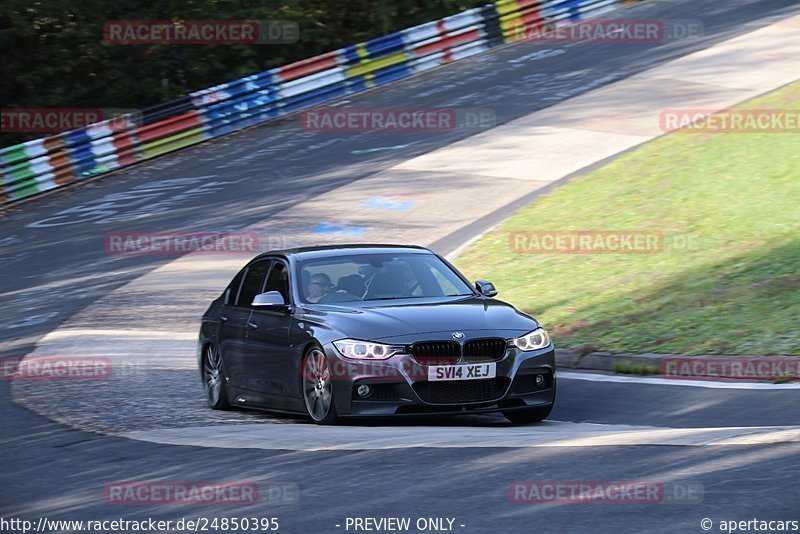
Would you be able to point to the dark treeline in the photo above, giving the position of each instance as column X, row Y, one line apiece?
column 54, row 54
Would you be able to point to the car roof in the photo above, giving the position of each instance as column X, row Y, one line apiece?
column 329, row 251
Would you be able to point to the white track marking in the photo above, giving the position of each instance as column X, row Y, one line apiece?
column 592, row 377
column 310, row 437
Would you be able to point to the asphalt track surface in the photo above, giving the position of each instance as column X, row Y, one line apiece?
column 55, row 264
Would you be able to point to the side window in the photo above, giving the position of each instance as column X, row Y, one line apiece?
column 253, row 282
column 233, row 288
column 278, row 280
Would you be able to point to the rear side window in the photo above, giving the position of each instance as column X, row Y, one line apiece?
column 233, row 287
column 253, row 282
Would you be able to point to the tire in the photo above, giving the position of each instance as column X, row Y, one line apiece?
column 214, row 379
column 528, row 415
column 318, row 387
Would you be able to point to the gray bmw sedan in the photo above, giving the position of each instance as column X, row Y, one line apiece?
column 371, row 330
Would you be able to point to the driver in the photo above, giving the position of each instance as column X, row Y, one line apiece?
column 319, row 286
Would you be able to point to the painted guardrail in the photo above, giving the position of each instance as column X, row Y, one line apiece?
column 43, row 164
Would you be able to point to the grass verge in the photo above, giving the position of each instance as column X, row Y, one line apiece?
column 726, row 278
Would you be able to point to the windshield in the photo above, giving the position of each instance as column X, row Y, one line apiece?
column 367, row 277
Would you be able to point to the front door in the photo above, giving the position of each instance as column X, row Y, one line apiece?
column 269, row 355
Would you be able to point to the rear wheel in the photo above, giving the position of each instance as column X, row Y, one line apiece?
column 528, row 415
column 214, row 379
column 318, row 388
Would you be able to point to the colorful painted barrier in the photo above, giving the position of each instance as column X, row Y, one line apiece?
column 44, row 164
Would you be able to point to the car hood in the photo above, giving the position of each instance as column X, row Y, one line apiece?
column 384, row 320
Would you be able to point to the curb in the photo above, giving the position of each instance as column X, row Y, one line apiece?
column 580, row 359
column 604, row 361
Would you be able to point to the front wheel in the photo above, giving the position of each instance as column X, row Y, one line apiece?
column 214, row 379
column 528, row 415
column 318, row 388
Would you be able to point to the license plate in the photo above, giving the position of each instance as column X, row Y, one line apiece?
column 476, row 371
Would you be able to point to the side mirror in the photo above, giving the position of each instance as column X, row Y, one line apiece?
column 270, row 299
column 485, row 288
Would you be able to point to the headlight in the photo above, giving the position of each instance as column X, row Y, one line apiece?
column 538, row 339
column 364, row 350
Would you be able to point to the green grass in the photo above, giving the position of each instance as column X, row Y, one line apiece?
column 735, row 291
column 629, row 368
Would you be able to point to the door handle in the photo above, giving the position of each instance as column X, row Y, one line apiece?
column 223, row 318
column 251, row 326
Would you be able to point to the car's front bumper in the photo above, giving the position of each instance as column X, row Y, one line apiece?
column 400, row 385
